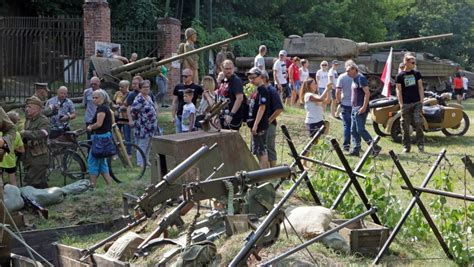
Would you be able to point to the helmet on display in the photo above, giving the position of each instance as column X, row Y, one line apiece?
column 189, row 32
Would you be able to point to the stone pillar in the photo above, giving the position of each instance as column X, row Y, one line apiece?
column 96, row 27
column 170, row 31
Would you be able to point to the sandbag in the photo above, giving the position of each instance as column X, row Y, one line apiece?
column 77, row 187
column 124, row 247
column 199, row 254
column 12, row 198
column 44, row 197
column 336, row 242
column 309, row 221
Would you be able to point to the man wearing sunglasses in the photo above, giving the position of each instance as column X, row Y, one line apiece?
column 410, row 94
column 178, row 97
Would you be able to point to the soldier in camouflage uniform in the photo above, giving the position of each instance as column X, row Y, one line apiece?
column 35, row 138
column 42, row 92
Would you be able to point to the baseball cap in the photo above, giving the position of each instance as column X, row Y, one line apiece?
column 265, row 75
column 255, row 71
column 335, row 62
column 282, row 53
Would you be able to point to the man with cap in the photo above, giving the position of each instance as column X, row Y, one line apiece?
column 360, row 109
column 332, row 76
column 35, row 136
column 178, row 97
column 42, row 92
column 258, row 116
column 191, row 62
column 259, row 60
column 280, row 75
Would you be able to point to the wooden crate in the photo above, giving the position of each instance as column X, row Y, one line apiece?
column 363, row 236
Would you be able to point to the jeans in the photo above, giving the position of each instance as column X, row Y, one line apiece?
column 144, row 144
column 178, row 125
column 358, row 128
column 127, row 135
column 346, row 122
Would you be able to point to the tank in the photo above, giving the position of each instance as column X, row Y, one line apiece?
column 316, row 47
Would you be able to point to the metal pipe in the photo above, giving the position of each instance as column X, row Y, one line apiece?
column 359, row 166
column 372, row 210
column 441, row 193
column 414, row 200
column 10, row 232
column 331, row 166
column 255, row 236
column 257, row 176
column 354, row 180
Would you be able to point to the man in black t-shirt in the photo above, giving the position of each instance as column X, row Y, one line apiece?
column 258, row 116
column 178, row 100
column 410, row 93
column 231, row 88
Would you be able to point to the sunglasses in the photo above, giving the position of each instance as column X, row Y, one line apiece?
column 185, row 76
column 412, row 62
column 324, row 65
column 251, row 77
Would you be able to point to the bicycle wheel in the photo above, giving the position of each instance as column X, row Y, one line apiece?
column 119, row 167
column 73, row 167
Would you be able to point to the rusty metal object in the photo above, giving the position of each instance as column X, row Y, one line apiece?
column 212, row 114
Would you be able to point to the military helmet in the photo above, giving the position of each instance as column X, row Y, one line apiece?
column 189, row 32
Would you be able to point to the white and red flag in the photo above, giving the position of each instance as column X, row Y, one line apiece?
column 386, row 75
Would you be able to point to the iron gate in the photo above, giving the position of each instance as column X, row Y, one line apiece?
column 34, row 49
column 146, row 42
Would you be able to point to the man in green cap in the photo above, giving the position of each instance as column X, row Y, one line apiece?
column 35, row 138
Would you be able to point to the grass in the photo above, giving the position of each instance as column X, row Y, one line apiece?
column 104, row 203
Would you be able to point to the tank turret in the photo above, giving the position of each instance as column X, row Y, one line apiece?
column 318, row 45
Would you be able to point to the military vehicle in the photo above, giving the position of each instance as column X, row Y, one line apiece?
column 316, row 47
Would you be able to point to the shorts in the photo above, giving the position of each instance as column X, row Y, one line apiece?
column 271, row 134
column 9, row 170
column 297, row 86
column 286, row 90
column 458, row 91
column 259, row 143
column 96, row 166
column 321, row 90
column 313, row 127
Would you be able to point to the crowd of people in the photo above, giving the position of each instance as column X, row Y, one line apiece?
column 134, row 108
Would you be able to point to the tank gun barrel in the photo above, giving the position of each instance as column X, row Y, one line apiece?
column 366, row 46
column 201, row 49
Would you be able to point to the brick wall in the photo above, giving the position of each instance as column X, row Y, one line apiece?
column 170, row 29
column 96, row 27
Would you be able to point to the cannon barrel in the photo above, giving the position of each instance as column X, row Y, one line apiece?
column 201, row 49
column 366, row 46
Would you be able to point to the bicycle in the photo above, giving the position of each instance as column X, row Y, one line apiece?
column 125, row 161
column 64, row 158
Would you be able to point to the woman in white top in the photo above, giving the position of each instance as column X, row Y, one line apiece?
column 304, row 71
column 322, row 77
column 313, row 104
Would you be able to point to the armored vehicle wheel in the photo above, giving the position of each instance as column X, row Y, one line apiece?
column 378, row 131
column 460, row 129
column 383, row 102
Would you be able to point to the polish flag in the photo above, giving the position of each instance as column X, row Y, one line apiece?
column 386, row 74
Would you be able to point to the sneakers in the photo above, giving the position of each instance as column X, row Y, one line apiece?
column 346, row 149
column 406, row 150
column 421, row 148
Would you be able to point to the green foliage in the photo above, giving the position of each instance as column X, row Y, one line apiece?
column 134, row 14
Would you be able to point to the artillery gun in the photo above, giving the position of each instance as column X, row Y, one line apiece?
column 110, row 71
column 316, row 47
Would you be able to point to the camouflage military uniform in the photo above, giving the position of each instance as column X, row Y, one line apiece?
column 36, row 158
